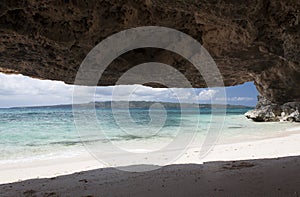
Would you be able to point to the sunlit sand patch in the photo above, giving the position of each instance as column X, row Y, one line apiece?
column 296, row 128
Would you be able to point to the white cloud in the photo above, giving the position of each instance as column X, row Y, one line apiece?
column 241, row 99
column 145, row 93
column 206, row 95
column 19, row 90
column 21, row 85
column 236, row 99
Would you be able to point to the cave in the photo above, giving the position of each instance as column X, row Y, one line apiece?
column 249, row 41
column 48, row 150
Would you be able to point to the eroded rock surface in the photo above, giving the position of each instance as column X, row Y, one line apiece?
column 266, row 111
column 249, row 40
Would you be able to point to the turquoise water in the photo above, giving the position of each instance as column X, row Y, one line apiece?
column 37, row 133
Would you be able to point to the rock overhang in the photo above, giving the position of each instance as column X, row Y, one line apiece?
column 250, row 40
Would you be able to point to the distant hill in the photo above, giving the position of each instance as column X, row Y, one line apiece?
column 141, row 105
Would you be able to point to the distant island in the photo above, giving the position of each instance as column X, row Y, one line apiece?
column 141, row 105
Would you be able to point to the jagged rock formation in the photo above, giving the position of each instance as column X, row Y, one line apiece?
column 267, row 111
column 293, row 117
column 250, row 40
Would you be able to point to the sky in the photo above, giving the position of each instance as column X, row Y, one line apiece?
column 19, row 90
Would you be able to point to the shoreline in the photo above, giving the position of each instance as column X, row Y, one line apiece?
column 274, row 147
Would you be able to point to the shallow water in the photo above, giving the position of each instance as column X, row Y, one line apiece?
column 38, row 133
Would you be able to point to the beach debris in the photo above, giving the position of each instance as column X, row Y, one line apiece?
column 238, row 165
column 29, row 192
column 83, row 180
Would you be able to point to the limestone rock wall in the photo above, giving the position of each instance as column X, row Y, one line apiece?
column 250, row 40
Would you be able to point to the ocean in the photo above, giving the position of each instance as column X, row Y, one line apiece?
column 50, row 132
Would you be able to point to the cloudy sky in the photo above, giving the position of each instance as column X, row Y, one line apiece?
column 19, row 90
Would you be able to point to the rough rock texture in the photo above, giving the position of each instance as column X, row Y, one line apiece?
column 249, row 40
column 264, row 114
column 266, row 111
column 290, row 111
column 295, row 116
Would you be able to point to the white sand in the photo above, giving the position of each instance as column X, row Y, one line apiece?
column 264, row 177
column 280, row 146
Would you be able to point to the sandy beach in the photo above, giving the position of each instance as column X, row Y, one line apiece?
column 261, row 167
column 158, row 98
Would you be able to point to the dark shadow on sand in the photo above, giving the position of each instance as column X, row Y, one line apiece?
column 262, row 177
